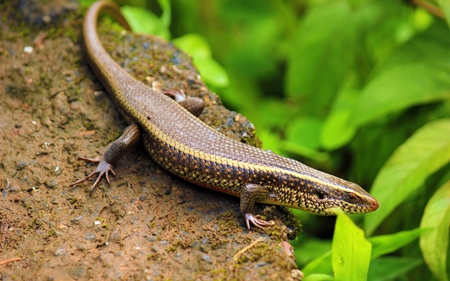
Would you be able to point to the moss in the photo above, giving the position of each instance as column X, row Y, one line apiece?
column 171, row 248
column 52, row 232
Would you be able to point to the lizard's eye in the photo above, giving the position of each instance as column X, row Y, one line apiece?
column 351, row 198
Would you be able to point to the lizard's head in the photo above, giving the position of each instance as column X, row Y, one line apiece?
column 322, row 196
column 348, row 197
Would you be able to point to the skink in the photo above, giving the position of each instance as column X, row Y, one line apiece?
column 183, row 145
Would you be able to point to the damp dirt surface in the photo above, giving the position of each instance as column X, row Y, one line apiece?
column 147, row 224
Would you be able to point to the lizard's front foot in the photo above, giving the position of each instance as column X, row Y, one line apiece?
column 259, row 223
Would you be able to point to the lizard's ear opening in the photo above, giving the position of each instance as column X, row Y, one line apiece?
column 319, row 194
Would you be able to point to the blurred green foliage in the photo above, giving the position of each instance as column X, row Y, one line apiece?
column 357, row 88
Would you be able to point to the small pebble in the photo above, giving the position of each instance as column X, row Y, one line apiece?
column 90, row 236
column 57, row 171
column 77, row 219
column 261, row 264
column 206, row 258
column 150, row 238
column 52, row 183
column 115, row 236
column 21, row 164
column 28, row 49
column 59, row 252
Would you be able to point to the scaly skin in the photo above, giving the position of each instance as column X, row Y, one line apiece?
column 188, row 148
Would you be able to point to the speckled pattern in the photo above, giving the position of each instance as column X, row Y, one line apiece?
column 190, row 149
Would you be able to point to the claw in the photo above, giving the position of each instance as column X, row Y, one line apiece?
column 90, row 160
column 103, row 169
column 259, row 223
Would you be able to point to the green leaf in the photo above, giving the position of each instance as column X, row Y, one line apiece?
column 86, row 3
column 423, row 153
column 320, row 264
column 304, row 131
column 166, row 14
column 338, row 129
column 142, row 20
column 350, row 250
column 321, row 56
column 197, row 46
column 318, row 277
column 434, row 243
column 310, row 248
column 269, row 140
column 386, row 244
column 417, row 73
column 294, row 148
column 445, row 6
column 212, row 72
column 194, row 44
column 389, row 268
column 303, row 138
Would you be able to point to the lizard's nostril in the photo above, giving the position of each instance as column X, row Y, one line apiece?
column 374, row 205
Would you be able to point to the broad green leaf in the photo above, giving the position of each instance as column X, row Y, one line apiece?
column 423, row 153
column 434, row 243
column 293, row 148
column 210, row 70
column 253, row 50
column 269, row 140
column 320, row 264
column 321, row 56
column 417, row 73
column 403, row 86
column 271, row 112
column 445, row 6
column 338, row 129
column 389, row 268
column 386, row 244
column 309, row 248
column 318, row 277
column 194, row 44
column 350, row 250
column 304, row 131
column 303, row 138
column 166, row 14
column 142, row 20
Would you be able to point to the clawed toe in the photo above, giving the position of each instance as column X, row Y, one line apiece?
column 90, row 160
column 259, row 223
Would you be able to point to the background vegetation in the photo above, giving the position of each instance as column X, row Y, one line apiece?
column 357, row 88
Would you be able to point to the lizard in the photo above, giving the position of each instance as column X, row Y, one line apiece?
column 185, row 146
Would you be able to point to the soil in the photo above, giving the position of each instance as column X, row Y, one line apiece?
column 147, row 224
